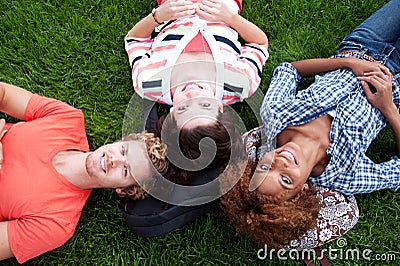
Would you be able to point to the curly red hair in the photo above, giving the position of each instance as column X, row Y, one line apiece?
column 266, row 220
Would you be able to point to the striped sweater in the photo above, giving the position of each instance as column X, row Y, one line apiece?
column 238, row 68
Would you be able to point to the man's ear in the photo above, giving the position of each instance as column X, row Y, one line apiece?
column 120, row 191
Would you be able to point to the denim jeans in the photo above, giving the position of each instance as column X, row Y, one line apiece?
column 378, row 37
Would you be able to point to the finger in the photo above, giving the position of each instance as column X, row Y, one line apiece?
column 202, row 14
column 377, row 77
column 211, row 2
column 374, row 73
column 367, row 89
column 383, row 72
column 208, row 2
column 378, row 80
column 3, row 133
column 374, row 83
column 178, row 6
column 180, row 2
column 383, row 79
column 207, row 7
column 183, row 7
column 185, row 13
column 386, row 71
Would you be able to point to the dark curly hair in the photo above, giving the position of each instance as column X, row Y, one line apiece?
column 222, row 132
column 267, row 220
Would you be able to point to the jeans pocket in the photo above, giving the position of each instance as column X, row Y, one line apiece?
column 350, row 46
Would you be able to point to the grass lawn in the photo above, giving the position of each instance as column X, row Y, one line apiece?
column 73, row 50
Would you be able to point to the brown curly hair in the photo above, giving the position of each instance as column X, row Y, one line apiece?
column 157, row 156
column 265, row 219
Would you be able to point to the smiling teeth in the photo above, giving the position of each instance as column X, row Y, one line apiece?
column 288, row 154
column 103, row 163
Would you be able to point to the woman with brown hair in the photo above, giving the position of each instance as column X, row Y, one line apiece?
column 195, row 63
column 319, row 136
column 314, row 217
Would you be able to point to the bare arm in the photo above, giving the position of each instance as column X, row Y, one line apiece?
column 382, row 98
column 5, row 249
column 310, row 67
column 14, row 100
column 248, row 31
column 143, row 28
column 218, row 11
column 171, row 9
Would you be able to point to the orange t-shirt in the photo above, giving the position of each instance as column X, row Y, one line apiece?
column 41, row 206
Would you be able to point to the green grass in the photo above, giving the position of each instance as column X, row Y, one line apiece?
column 73, row 50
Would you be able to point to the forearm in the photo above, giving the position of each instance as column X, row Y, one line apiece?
column 143, row 28
column 14, row 100
column 310, row 67
column 247, row 30
column 5, row 250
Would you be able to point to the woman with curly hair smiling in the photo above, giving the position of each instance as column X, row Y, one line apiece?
column 268, row 221
column 316, row 216
column 320, row 135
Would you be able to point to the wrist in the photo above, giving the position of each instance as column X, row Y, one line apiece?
column 345, row 62
column 155, row 17
column 232, row 20
column 390, row 111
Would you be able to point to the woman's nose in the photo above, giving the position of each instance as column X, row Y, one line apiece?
column 280, row 162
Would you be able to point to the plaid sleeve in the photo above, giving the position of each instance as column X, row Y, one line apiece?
column 285, row 80
column 365, row 176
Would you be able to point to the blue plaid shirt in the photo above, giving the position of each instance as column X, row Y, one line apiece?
column 355, row 125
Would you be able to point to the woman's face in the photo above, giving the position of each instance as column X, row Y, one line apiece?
column 197, row 111
column 283, row 170
column 193, row 78
column 191, row 90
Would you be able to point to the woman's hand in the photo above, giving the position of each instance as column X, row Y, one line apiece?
column 2, row 133
column 360, row 67
column 382, row 98
column 174, row 9
column 219, row 11
column 215, row 11
column 171, row 9
column 382, row 81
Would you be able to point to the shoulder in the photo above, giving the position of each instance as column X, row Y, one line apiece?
column 40, row 106
column 286, row 67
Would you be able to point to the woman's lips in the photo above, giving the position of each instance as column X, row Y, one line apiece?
column 192, row 85
column 288, row 155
